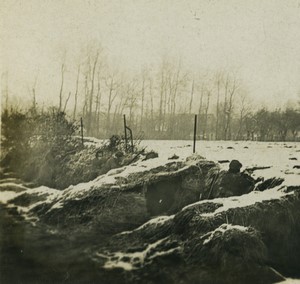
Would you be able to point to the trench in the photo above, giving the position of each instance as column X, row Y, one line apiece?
column 165, row 197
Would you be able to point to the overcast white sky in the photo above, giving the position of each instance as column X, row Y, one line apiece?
column 258, row 39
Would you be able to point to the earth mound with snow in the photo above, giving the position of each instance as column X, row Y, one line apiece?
column 161, row 220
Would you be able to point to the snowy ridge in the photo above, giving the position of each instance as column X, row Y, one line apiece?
column 243, row 200
column 257, row 154
column 8, row 183
column 6, row 196
column 49, row 193
column 222, row 229
column 155, row 221
column 131, row 261
column 152, row 222
column 112, row 179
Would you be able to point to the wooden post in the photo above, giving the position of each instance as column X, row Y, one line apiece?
column 125, row 131
column 195, row 134
column 131, row 138
column 81, row 129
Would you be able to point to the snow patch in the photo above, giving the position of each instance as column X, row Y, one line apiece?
column 222, row 229
column 12, row 186
column 290, row 281
column 117, row 259
column 244, row 200
column 154, row 221
column 6, row 196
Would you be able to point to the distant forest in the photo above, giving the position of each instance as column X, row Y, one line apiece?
column 161, row 103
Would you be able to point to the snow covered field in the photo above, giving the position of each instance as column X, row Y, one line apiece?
column 279, row 156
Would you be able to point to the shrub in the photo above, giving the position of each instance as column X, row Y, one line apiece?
column 30, row 138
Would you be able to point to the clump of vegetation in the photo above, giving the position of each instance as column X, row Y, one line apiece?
column 114, row 144
column 42, row 147
column 34, row 142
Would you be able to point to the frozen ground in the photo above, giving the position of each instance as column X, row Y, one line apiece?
column 280, row 156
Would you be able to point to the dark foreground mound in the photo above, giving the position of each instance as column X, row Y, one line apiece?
column 145, row 224
column 231, row 240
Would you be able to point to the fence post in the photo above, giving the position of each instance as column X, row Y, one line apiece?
column 81, row 129
column 195, row 134
column 125, row 131
column 131, row 137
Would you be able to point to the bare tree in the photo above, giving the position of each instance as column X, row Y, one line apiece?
column 172, row 85
column 218, row 83
column 208, row 94
column 61, row 86
column 151, row 99
column 142, row 99
column 161, row 99
column 66, row 102
column 112, row 86
column 5, row 91
column 192, row 95
column 229, row 110
column 174, row 89
column 224, row 123
column 132, row 96
column 76, row 92
column 91, row 93
column 244, row 111
column 200, row 104
column 34, row 94
column 86, row 92
column 98, row 103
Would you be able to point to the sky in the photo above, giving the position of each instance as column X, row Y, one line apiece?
column 259, row 40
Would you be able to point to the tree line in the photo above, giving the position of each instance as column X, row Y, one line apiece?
column 160, row 103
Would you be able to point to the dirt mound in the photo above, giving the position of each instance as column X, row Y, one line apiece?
column 145, row 223
column 122, row 199
column 221, row 241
